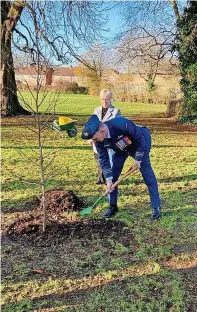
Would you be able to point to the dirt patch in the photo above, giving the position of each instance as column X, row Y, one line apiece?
column 178, row 265
column 29, row 231
column 59, row 226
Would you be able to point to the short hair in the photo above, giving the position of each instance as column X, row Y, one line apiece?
column 107, row 92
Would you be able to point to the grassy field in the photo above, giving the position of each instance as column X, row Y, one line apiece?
column 132, row 264
column 83, row 105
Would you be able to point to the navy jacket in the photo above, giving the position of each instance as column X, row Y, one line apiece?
column 125, row 137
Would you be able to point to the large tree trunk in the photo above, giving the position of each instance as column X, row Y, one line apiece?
column 10, row 13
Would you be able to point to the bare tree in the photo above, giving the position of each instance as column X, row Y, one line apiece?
column 64, row 27
column 144, row 59
column 150, row 35
column 42, row 161
column 40, row 57
column 94, row 75
column 153, row 22
column 149, row 31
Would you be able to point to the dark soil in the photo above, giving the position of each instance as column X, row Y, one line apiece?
column 59, row 227
column 29, row 231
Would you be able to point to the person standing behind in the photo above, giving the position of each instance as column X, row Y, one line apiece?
column 105, row 112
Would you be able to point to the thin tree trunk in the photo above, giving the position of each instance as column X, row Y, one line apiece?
column 10, row 13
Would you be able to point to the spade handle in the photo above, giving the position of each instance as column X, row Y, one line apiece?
column 120, row 179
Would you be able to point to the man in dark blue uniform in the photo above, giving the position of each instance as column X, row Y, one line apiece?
column 126, row 139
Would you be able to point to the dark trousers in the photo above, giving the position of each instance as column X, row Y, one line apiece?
column 100, row 172
column 146, row 171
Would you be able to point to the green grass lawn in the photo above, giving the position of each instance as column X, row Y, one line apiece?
column 83, row 105
column 147, row 266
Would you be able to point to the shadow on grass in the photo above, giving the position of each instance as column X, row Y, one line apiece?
column 79, row 147
column 24, row 121
column 169, row 145
column 134, row 294
column 26, row 204
column 29, row 204
column 16, row 185
column 191, row 177
column 78, row 299
column 177, row 217
column 78, row 245
column 19, row 205
column 168, row 206
column 179, row 213
column 181, row 197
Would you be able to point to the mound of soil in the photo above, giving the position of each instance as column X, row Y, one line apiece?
column 58, row 201
column 29, row 231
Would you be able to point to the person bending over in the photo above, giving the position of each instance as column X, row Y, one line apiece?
column 126, row 139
